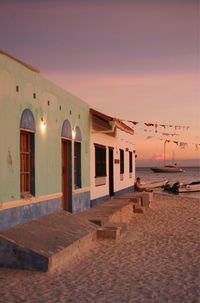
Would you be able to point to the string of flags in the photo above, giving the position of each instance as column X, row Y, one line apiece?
column 160, row 129
column 156, row 125
column 183, row 145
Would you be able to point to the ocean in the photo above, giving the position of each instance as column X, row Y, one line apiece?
column 190, row 174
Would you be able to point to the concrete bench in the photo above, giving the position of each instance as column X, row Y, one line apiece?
column 146, row 198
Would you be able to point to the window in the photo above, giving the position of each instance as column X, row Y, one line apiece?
column 130, row 162
column 77, row 164
column 27, row 165
column 121, row 161
column 100, row 161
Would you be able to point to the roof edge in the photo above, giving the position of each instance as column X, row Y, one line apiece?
column 118, row 122
column 106, row 117
column 33, row 69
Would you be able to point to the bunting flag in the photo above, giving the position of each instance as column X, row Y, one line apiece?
column 134, row 122
column 149, row 124
column 176, row 127
column 155, row 127
column 183, row 145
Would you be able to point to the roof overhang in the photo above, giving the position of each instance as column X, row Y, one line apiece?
column 33, row 69
column 113, row 122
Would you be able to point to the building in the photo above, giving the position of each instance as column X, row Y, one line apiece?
column 44, row 146
column 112, row 162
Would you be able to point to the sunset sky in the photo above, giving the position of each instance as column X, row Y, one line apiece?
column 133, row 59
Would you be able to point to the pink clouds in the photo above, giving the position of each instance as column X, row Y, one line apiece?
column 159, row 157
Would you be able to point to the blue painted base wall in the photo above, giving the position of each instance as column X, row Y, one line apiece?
column 16, row 215
column 102, row 199
column 99, row 200
column 13, row 256
column 123, row 191
column 80, row 202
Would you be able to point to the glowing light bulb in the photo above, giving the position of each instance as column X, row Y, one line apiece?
column 43, row 125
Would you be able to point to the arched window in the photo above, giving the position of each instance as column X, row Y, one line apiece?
column 77, row 158
column 27, row 120
column 27, row 153
column 78, row 136
column 66, row 130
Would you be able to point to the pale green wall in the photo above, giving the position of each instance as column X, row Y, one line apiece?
column 47, row 145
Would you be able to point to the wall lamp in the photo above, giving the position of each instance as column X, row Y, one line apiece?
column 43, row 124
column 73, row 133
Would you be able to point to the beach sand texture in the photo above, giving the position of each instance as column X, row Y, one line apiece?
column 157, row 260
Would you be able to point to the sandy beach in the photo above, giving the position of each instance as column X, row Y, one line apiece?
column 157, row 260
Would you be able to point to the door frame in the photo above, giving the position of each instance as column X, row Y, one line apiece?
column 66, row 198
column 30, row 153
column 111, row 170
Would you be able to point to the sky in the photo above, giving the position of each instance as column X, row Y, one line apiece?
column 136, row 60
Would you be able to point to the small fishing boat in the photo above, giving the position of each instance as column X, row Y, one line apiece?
column 155, row 184
column 182, row 187
column 192, row 187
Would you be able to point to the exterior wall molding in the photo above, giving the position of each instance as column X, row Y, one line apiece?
column 80, row 190
column 24, row 202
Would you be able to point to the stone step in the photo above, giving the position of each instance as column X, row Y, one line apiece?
column 48, row 242
column 45, row 243
column 113, row 233
column 111, row 230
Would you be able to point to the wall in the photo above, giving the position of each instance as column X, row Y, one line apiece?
column 62, row 105
column 121, row 140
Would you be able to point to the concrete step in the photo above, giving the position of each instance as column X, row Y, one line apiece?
column 114, row 210
column 45, row 243
column 48, row 242
column 113, row 233
column 111, row 230
column 146, row 197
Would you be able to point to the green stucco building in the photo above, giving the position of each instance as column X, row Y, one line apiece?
column 44, row 146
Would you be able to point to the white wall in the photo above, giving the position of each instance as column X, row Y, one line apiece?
column 122, row 140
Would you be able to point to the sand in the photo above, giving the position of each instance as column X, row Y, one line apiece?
column 157, row 260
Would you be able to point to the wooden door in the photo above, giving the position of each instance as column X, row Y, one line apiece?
column 65, row 176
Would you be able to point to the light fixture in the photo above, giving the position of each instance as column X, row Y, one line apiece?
column 43, row 124
column 73, row 133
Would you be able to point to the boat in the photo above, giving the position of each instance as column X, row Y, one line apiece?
column 167, row 168
column 192, row 187
column 155, row 184
column 182, row 187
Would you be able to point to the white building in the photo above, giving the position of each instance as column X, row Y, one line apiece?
column 112, row 157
